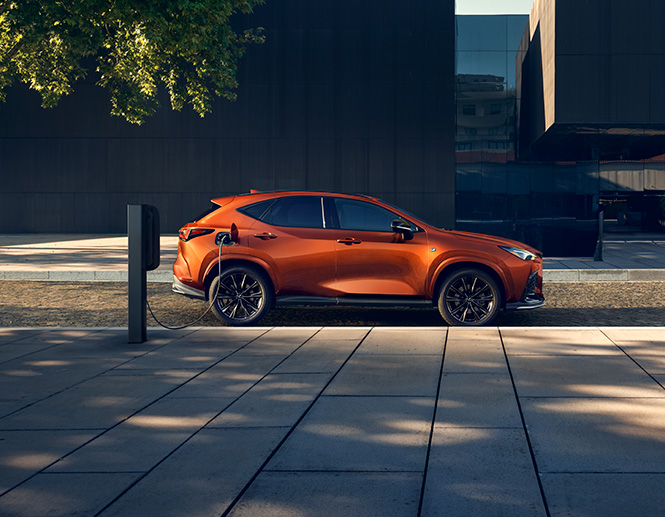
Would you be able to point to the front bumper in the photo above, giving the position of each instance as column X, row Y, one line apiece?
column 532, row 302
column 531, row 297
column 185, row 290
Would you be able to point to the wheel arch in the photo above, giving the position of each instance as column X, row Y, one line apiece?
column 457, row 266
column 213, row 271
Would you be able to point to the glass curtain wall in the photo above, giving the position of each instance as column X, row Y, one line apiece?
column 548, row 205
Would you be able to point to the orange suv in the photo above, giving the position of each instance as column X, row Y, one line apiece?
column 252, row 251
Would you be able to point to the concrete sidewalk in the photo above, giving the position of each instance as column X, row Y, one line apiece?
column 104, row 258
column 333, row 421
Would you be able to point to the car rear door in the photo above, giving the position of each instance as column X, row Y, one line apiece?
column 291, row 236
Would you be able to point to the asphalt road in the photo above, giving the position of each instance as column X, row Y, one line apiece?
column 104, row 304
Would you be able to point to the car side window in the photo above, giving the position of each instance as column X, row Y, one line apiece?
column 359, row 215
column 257, row 209
column 297, row 211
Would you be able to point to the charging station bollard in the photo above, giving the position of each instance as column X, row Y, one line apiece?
column 143, row 254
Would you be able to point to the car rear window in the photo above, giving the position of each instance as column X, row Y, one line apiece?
column 209, row 211
column 295, row 211
column 256, row 210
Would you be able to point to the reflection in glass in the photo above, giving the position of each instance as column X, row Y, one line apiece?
column 485, row 119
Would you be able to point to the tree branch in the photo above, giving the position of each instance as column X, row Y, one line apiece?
column 12, row 52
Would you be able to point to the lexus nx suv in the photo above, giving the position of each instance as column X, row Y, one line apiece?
column 250, row 252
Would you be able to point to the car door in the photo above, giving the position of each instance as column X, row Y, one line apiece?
column 372, row 259
column 291, row 236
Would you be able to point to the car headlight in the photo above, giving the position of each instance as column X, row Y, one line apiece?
column 519, row 252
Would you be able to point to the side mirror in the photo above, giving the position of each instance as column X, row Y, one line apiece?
column 401, row 226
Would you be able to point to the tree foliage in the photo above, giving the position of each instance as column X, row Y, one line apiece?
column 188, row 46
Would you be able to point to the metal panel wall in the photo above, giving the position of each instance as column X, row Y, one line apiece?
column 346, row 95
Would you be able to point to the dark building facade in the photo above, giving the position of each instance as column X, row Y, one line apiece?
column 592, row 75
column 345, row 95
column 521, row 126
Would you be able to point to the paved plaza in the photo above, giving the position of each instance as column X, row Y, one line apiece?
column 315, row 421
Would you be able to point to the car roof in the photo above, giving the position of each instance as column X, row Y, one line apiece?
column 270, row 194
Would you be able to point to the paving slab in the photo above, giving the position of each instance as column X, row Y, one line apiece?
column 12, row 335
column 142, row 441
column 281, row 340
column 477, row 400
column 474, row 350
column 481, row 471
column 649, row 355
column 359, row 434
column 331, row 494
column 65, row 494
column 606, row 494
column 412, row 341
column 388, row 375
column 557, row 341
column 97, row 403
column 649, row 334
column 25, row 452
column 278, row 400
column 597, row 435
column 318, row 356
column 204, row 476
column 581, row 376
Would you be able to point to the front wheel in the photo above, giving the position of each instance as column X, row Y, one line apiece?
column 243, row 297
column 469, row 297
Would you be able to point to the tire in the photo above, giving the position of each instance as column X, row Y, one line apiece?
column 469, row 297
column 244, row 296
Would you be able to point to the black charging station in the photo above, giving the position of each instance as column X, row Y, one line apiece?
column 143, row 251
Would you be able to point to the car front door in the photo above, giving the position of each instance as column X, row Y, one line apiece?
column 373, row 259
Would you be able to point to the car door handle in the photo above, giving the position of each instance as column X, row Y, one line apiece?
column 349, row 241
column 265, row 236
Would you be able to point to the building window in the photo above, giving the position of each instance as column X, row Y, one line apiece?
column 495, row 109
column 469, row 109
column 471, row 131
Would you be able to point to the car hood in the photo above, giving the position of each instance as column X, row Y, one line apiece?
column 491, row 239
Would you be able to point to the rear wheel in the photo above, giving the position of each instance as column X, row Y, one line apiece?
column 469, row 297
column 243, row 298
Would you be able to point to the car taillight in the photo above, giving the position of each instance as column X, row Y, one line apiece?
column 186, row 234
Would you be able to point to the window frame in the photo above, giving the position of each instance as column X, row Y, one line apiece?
column 275, row 201
column 332, row 209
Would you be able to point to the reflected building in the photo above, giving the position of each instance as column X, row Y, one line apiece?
column 485, row 129
column 555, row 123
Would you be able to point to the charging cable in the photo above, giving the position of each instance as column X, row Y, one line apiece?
column 223, row 239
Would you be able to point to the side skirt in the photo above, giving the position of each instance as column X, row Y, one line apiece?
column 353, row 301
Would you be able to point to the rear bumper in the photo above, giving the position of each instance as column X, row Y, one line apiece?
column 185, row 290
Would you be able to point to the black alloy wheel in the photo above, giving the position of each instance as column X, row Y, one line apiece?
column 469, row 297
column 243, row 298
